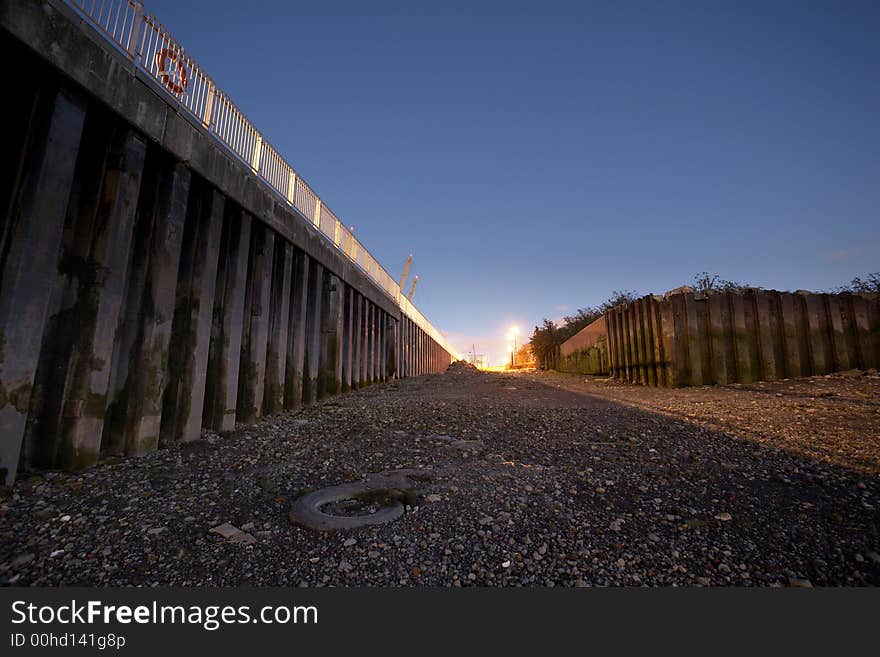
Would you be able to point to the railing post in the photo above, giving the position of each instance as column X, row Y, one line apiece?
column 317, row 218
column 336, row 234
column 209, row 105
column 291, row 188
column 258, row 149
column 137, row 24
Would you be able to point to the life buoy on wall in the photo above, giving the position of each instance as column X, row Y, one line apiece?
column 166, row 61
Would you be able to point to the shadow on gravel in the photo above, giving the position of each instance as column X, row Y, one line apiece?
column 805, row 518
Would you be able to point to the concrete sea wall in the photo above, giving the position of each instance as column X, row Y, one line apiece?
column 586, row 352
column 151, row 285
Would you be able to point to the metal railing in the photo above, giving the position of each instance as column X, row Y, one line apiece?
column 152, row 48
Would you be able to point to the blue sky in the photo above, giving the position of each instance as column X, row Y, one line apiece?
column 535, row 156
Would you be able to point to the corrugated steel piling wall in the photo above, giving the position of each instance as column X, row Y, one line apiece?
column 688, row 338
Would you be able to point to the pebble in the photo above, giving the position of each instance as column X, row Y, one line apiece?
column 22, row 560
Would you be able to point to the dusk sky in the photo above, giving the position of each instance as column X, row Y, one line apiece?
column 535, row 156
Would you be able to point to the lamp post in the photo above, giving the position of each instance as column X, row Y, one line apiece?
column 512, row 334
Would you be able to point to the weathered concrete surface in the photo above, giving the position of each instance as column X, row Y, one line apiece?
column 358, row 336
column 101, row 298
column 366, row 355
column 377, row 345
column 586, row 352
column 314, row 313
column 66, row 353
column 143, row 390
column 276, row 357
column 32, row 234
column 330, row 360
column 347, row 339
column 255, row 338
column 407, row 346
column 226, row 330
column 193, row 318
column 390, row 348
column 296, row 340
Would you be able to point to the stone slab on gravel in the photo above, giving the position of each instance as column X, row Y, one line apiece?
column 233, row 533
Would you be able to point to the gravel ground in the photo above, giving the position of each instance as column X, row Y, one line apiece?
column 529, row 479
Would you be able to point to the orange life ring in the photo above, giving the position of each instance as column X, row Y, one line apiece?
column 163, row 57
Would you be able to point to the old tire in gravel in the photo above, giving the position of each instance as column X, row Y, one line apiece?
column 306, row 510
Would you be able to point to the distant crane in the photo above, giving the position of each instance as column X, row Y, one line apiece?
column 405, row 270
column 412, row 290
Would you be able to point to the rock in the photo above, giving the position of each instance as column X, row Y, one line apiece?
column 349, row 542
column 433, row 498
column 467, row 445
column 225, row 530
column 797, row 583
column 723, row 517
column 22, row 560
column 232, row 533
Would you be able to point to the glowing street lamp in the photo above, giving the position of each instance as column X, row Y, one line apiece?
column 512, row 335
